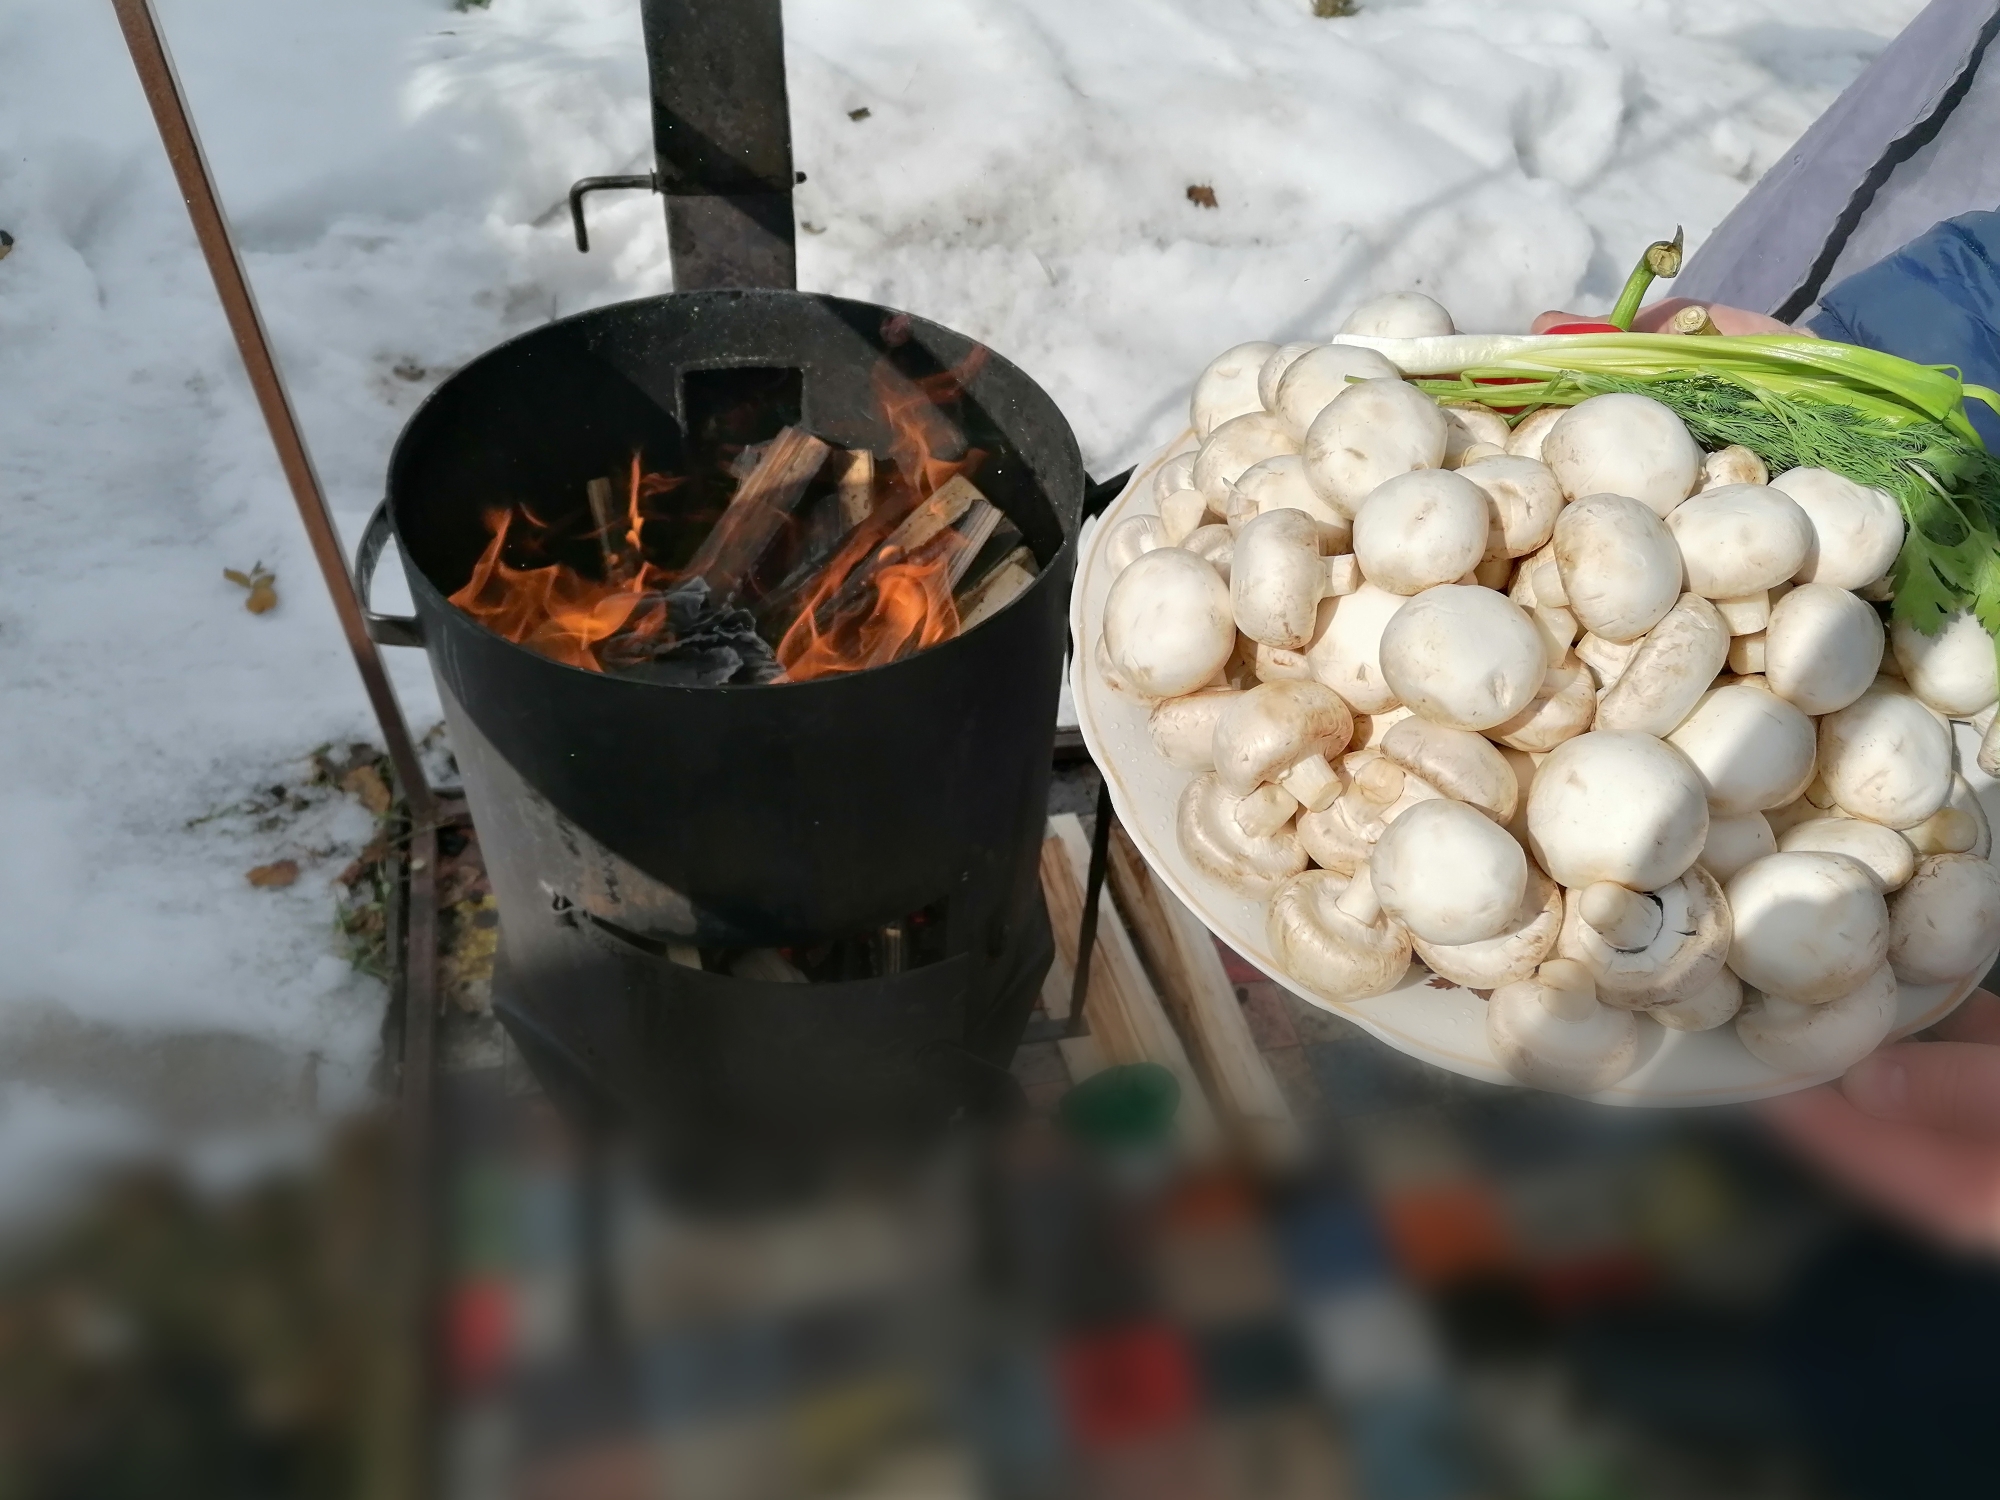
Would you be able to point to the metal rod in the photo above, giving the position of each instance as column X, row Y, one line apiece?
column 417, row 976
column 218, row 247
column 1093, row 893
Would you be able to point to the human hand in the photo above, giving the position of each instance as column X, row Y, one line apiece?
column 1915, row 1128
column 1652, row 319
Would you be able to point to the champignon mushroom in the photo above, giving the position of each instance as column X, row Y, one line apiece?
column 1945, row 924
column 1378, row 791
column 1627, row 808
column 1533, row 430
column 1732, row 465
column 1707, row 1008
column 1277, row 578
column 1167, row 623
column 1132, row 537
column 1345, row 650
column 1215, row 842
column 1959, row 827
column 1280, row 484
column 1733, row 842
column 1648, row 948
column 1952, row 671
column 1235, row 446
column 1809, row 928
column 1746, row 614
column 1463, row 656
column 1563, row 707
column 1624, row 444
column 1215, row 545
column 1330, row 933
column 1176, row 473
column 1312, row 381
column 1819, row 1040
column 1752, row 749
column 1676, row 661
column 1273, row 370
column 1746, row 654
column 1523, row 500
column 1620, row 569
column 1284, row 732
column 1181, row 513
column 1511, row 954
column 1472, row 430
column 1228, row 387
column 1372, row 431
column 1882, row 852
column 1371, row 729
column 1821, row 648
column 1606, row 660
column 1857, row 531
column 1399, row 315
column 1552, row 1032
column 1420, row 529
column 1739, row 539
column 1462, row 765
column 1183, row 728
column 1887, row 758
column 1449, row 873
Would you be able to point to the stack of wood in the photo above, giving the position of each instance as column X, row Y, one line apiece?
column 1158, row 993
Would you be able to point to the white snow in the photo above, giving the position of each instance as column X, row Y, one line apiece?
column 395, row 169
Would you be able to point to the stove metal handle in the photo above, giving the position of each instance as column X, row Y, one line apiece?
column 384, row 630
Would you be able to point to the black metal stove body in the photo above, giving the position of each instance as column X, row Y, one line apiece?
column 624, row 820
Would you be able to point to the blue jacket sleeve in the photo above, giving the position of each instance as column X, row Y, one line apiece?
column 1935, row 301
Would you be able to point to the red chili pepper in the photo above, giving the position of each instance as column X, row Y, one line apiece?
column 1522, row 380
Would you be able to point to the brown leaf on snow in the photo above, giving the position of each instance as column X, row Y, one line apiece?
column 262, row 584
column 279, row 873
column 366, row 783
column 1201, row 195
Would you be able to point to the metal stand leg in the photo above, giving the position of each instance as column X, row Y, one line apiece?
column 1093, row 890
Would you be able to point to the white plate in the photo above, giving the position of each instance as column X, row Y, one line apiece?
column 1425, row 1016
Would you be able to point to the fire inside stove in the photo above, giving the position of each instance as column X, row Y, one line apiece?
column 783, row 560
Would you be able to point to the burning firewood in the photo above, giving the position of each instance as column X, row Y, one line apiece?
column 999, row 588
column 857, row 487
column 762, row 504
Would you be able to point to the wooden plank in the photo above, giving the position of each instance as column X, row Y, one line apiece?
column 762, row 504
column 1180, row 956
column 1122, row 1008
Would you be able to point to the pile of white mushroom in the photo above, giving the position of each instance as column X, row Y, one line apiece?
column 1585, row 719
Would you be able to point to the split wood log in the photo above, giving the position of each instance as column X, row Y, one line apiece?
column 1122, row 1008
column 857, row 487
column 756, row 512
column 610, row 524
column 1180, row 955
column 997, row 589
column 973, row 534
column 922, row 526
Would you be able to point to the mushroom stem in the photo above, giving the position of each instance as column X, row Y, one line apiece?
column 1359, row 900
column 1988, row 758
column 1312, row 781
column 1379, row 782
column 1626, row 919
column 1343, row 576
column 1265, row 810
column 1546, row 582
column 1568, row 991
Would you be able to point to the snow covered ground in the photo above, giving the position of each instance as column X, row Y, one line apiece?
column 395, row 169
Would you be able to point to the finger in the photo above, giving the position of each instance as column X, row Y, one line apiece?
column 1978, row 1020
column 1949, row 1188
column 1725, row 318
column 1952, row 1086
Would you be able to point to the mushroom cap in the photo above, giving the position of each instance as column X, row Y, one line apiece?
column 1372, row 431
column 1809, row 927
column 1472, row 431
column 1266, row 730
column 1733, row 465
column 1740, row 538
column 1952, row 671
column 1176, row 473
column 1564, row 706
column 1823, row 1039
column 1330, row 952
column 1533, row 430
column 1675, row 663
column 1886, row 757
column 1277, row 578
column 1624, row 444
column 1945, row 924
column 1884, row 853
column 1523, row 500
column 1399, row 315
column 1462, row 655
column 1734, row 841
column 1619, row 565
column 1280, row 484
column 1181, row 513
column 1543, row 1047
column 1707, row 1008
column 1857, row 531
column 1217, row 844
column 1228, row 387
column 1752, row 748
column 1449, row 873
column 1234, row 446
column 1627, row 808
column 1183, row 728
column 1821, row 648
column 1214, row 544
column 1680, row 961
column 1132, row 537
column 1345, row 651
column 1168, row 626
column 1959, row 827
column 1420, row 529
column 1273, row 370
column 1511, row 954
column 1462, row 765
column 1316, row 377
